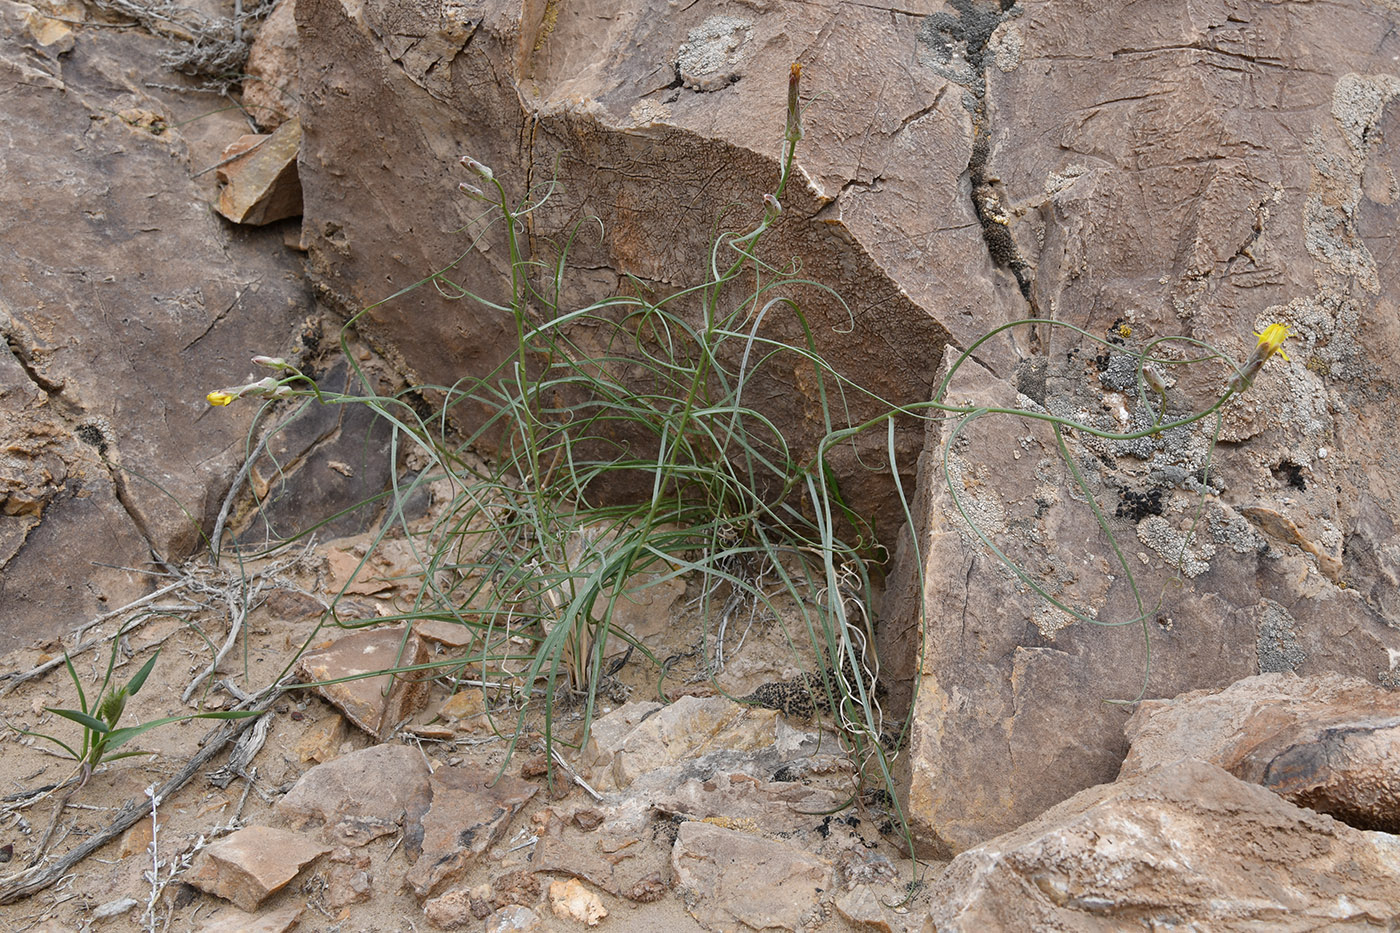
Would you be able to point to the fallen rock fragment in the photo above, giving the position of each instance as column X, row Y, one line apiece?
column 1185, row 842
column 1329, row 742
column 370, row 702
column 862, row 909
column 260, row 183
column 619, row 853
column 252, row 864
column 467, row 815
column 455, row 910
column 270, row 84
column 272, row 921
column 322, row 740
column 570, row 900
column 647, row 736
column 359, row 796
column 729, row 876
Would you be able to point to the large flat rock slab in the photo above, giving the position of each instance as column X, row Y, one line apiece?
column 124, row 300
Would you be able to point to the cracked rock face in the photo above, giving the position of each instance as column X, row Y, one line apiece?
column 1197, row 169
column 1204, row 169
column 123, row 300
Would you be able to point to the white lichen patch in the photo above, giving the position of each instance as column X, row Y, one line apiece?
column 1191, row 557
column 711, row 56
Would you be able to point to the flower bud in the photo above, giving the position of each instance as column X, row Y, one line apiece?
column 221, row 397
column 774, row 206
column 478, row 168
column 471, row 190
column 271, row 362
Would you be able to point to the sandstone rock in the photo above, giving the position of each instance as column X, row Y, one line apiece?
column 622, row 853
column 739, row 801
column 1184, row 844
column 252, row 864
column 272, row 921
column 715, row 870
column 570, row 900
column 617, row 755
column 322, row 740
column 261, row 184
column 880, row 186
column 1141, row 191
column 373, row 703
column 348, row 878
column 1330, row 743
column 471, row 808
column 270, row 84
column 452, row 910
column 124, row 302
column 359, row 796
column 862, row 909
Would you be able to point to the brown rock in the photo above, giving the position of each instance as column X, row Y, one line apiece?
column 862, row 909
column 261, row 185
column 125, row 301
column 1328, row 742
column 252, row 864
column 372, row 703
column 716, row 870
column 622, row 853
column 471, row 808
column 348, row 878
column 359, row 796
column 1184, row 843
column 270, row 84
column 1140, row 192
column 451, row 911
column 742, row 802
column 515, row 887
column 881, row 171
column 322, row 740
column 272, row 921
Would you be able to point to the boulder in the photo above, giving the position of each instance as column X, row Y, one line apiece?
column 124, row 301
column 1205, row 170
column 1328, row 742
column 655, row 142
column 1184, row 845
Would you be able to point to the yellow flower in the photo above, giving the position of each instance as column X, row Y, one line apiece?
column 1271, row 341
column 220, row 398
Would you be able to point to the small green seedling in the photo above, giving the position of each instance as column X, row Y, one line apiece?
column 101, row 735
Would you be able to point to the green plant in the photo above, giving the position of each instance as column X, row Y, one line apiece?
column 101, row 733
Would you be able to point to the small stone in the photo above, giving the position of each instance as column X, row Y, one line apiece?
column 114, row 908
column 570, row 900
column 370, row 702
column 450, row 911
column 321, row 742
column 359, row 796
column 348, row 878
column 515, row 887
column 470, row 811
column 236, row 921
column 252, row 864
column 261, row 183
column 135, row 840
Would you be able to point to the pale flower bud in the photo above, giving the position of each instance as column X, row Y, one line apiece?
column 477, row 167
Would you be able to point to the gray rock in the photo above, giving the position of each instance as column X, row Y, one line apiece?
column 1186, row 843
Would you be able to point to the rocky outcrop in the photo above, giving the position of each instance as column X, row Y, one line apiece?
column 123, row 300
column 1330, row 743
column 1202, row 170
column 1186, row 843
